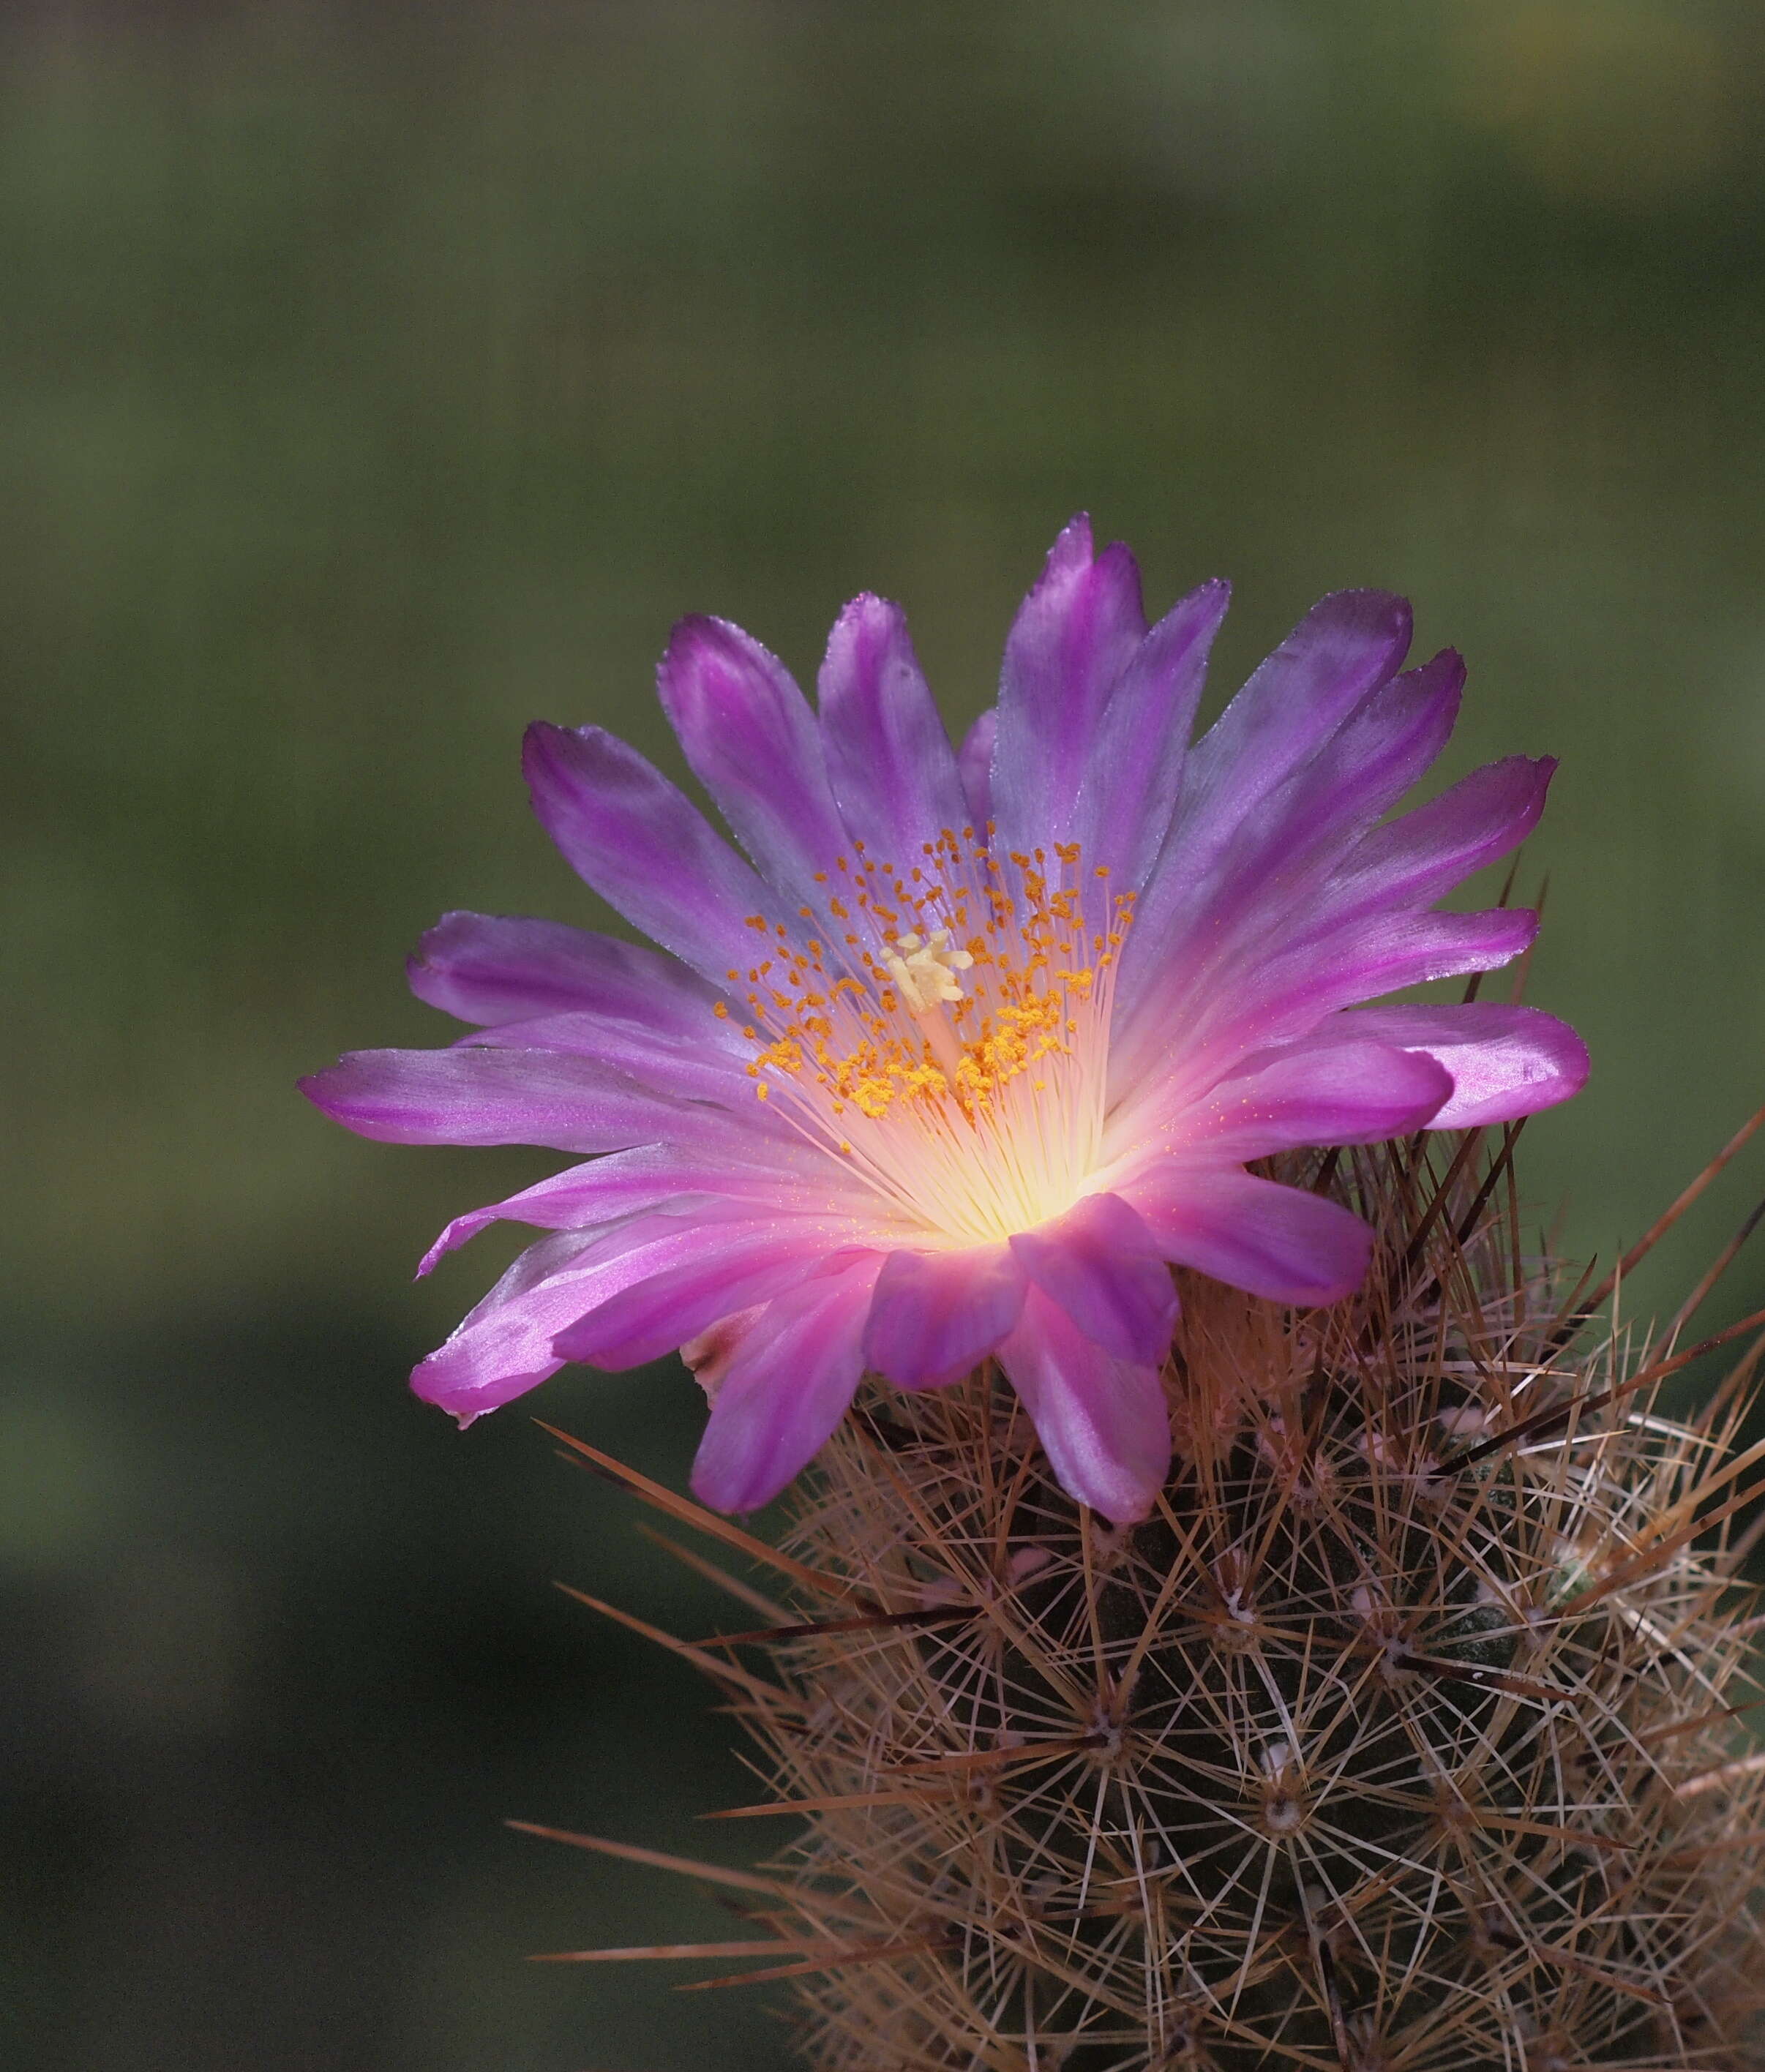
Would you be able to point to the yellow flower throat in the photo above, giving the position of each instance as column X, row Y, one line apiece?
column 975, row 1111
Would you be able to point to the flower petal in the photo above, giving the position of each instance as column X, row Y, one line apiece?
column 1505, row 1061
column 1074, row 635
column 974, row 762
column 725, row 1266
column 750, row 739
column 1417, row 859
column 643, row 1178
column 1263, row 887
column 936, row 1314
column 1167, row 1062
column 489, row 967
column 491, row 1096
column 1383, row 747
column 638, row 841
column 1337, row 1092
column 890, row 762
column 504, row 1347
column 1130, row 789
column 1101, row 1264
column 1292, row 993
column 1277, row 1242
column 1103, row 1422
column 792, row 1380
column 1345, row 647
column 703, row 1065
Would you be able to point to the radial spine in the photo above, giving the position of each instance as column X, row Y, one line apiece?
column 1402, row 1735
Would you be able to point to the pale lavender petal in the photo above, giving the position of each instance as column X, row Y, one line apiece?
column 638, row 841
column 645, row 1177
column 727, row 1267
column 491, row 1097
column 1383, row 954
column 1279, row 1242
column 705, row 1064
column 1074, row 635
column 504, row 1347
column 974, row 762
column 1130, row 789
column 1336, row 1092
column 1103, row 1422
column 936, row 1314
column 1265, row 883
column 1294, row 899
column 889, row 760
column 1505, row 1061
column 1345, row 647
column 792, row 1381
column 490, row 967
column 1416, row 859
column 1101, row 1264
column 1365, row 767
column 752, row 741
column 1206, row 1022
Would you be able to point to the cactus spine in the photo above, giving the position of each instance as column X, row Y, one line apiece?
column 1401, row 1738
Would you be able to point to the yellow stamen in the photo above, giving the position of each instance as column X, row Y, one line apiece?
column 978, row 1108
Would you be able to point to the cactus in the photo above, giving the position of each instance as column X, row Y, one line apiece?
column 1402, row 1734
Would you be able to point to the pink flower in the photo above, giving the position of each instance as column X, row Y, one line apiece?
column 980, row 1041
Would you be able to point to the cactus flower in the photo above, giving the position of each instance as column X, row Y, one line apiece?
column 979, row 1041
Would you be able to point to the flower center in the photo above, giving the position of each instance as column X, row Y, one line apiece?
column 947, row 1037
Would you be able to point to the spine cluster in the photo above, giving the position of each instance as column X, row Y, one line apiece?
column 1403, row 1737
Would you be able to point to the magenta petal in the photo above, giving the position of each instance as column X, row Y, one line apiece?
column 1280, row 1243
column 791, row 1383
column 936, row 1314
column 1292, row 994
column 974, row 760
column 630, row 1183
column 491, row 1097
column 1101, row 1263
column 706, row 1065
column 1103, row 1422
column 1227, row 1017
column 1074, row 635
column 638, row 841
column 1505, row 1061
column 1338, row 1092
column 1343, row 648
column 1130, row 790
column 727, row 1267
column 890, row 762
column 1422, row 856
column 489, row 968
column 752, row 741
column 1390, row 739
column 1266, row 882
column 504, row 1347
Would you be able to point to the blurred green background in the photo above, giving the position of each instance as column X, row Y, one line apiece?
column 375, row 378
